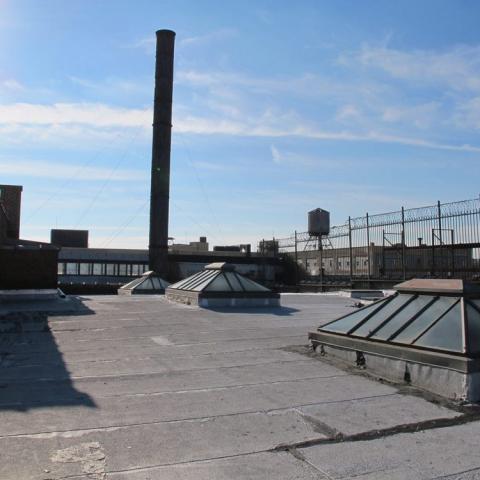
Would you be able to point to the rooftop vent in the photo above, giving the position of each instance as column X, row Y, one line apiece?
column 428, row 332
column 219, row 285
column 148, row 283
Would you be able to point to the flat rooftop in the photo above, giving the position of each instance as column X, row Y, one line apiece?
column 139, row 388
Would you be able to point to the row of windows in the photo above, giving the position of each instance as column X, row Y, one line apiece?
column 110, row 269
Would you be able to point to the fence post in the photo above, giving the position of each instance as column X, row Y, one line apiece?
column 369, row 271
column 440, row 240
column 350, row 247
column 433, row 252
column 403, row 245
column 439, row 208
column 296, row 260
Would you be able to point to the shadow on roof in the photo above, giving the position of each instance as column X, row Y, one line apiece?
column 33, row 373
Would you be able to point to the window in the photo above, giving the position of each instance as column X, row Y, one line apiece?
column 61, row 268
column 97, row 269
column 110, row 269
column 84, row 268
column 71, row 269
column 122, row 269
column 137, row 270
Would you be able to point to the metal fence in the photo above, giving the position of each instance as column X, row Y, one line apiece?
column 441, row 240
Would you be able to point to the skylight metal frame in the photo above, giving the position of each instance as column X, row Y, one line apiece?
column 382, row 303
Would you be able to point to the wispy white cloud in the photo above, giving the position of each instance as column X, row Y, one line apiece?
column 217, row 35
column 457, row 67
column 79, row 137
column 148, row 43
column 295, row 159
column 304, row 85
column 287, row 157
column 276, row 157
column 236, row 104
column 421, row 116
column 11, row 84
column 57, row 170
column 115, row 86
column 98, row 115
column 102, row 122
column 348, row 112
column 216, row 167
column 198, row 125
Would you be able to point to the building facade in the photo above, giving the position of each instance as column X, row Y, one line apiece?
column 105, row 269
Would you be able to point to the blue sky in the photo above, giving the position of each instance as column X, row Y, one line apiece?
column 279, row 107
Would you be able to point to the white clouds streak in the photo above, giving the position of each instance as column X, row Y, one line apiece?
column 99, row 122
column 11, row 84
column 457, row 67
column 96, row 115
column 148, row 43
column 57, row 170
column 356, row 108
column 222, row 34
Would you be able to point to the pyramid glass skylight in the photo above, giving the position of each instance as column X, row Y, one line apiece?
column 219, row 284
column 148, row 283
column 445, row 321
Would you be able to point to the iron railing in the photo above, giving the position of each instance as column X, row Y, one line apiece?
column 441, row 240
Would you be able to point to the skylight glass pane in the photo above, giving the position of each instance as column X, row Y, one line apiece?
column 232, row 278
column 446, row 334
column 345, row 324
column 133, row 283
column 220, row 284
column 191, row 283
column 204, row 283
column 146, row 285
column 425, row 319
column 391, row 307
column 194, row 279
column 156, row 283
column 183, row 283
column 251, row 286
column 402, row 317
column 473, row 322
column 200, row 278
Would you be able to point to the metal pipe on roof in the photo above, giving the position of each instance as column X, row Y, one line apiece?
column 161, row 145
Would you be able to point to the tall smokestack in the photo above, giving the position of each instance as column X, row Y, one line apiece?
column 162, row 132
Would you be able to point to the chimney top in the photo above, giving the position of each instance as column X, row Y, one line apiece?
column 165, row 31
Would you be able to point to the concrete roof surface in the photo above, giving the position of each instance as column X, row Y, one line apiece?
column 139, row 388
